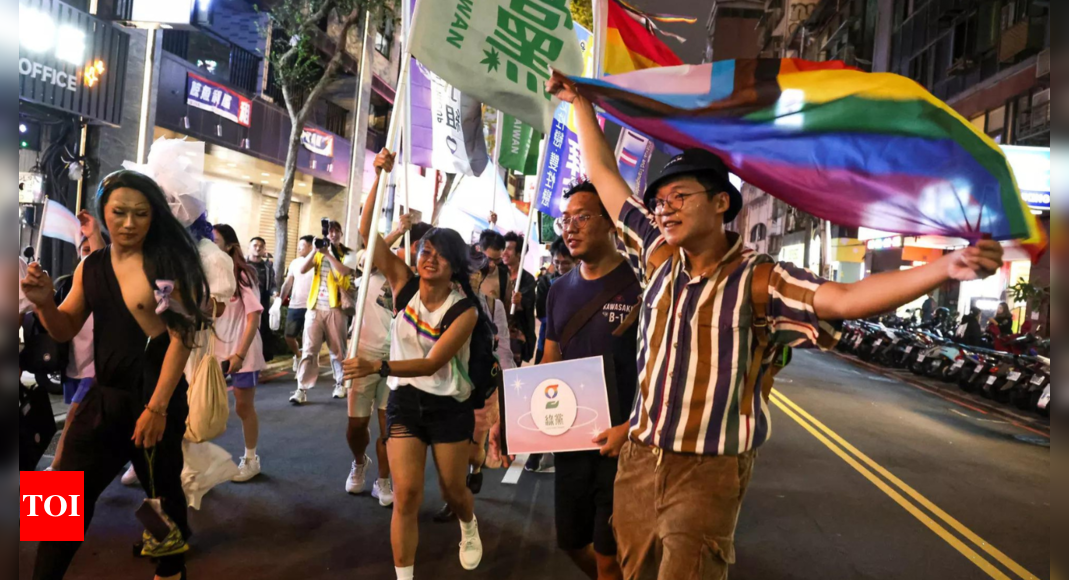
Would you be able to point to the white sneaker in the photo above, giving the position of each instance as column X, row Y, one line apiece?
column 129, row 479
column 471, row 547
column 340, row 393
column 357, row 477
column 383, row 491
column 248, row 469
column 300, row 397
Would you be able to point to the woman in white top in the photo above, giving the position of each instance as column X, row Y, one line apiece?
column 429, row 403
column 239, row 347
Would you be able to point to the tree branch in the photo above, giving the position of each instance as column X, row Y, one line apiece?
column 340, row 50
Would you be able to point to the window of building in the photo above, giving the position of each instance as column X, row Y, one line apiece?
column 384, row 36
column 965, row 38
column 980, row 123
column 337, row 119
column 758, row 233
column 996, row 124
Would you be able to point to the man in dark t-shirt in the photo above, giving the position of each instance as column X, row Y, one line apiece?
column 589, row 314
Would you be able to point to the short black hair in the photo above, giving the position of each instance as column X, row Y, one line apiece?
column 310, row 240
column 491, row 240
column 587, row 187
column 515, row 238
column 258, row 239
column 559, row 248
column 418, row 231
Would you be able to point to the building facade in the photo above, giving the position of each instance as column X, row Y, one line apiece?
column 732, row 29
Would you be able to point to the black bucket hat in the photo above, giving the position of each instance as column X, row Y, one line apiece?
column 698, row 162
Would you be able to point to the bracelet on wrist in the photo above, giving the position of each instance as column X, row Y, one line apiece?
column 155, row 412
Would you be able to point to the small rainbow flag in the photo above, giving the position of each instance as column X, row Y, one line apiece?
column 855, row 148
column 630, row 46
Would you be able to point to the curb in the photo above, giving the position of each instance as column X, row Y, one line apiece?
column 977, row 404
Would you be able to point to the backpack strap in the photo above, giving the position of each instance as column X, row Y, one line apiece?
column 407, row 293
column 760, row 298
column 455, row 312
column 614, row 286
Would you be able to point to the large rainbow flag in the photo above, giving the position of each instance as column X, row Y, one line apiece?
column 855, row 148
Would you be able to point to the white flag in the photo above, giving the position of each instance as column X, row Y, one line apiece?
column 59, row 223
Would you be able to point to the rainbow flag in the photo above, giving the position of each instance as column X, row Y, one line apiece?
column 631, row 46
column 855, row 148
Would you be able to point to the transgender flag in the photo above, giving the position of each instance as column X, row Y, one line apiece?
column 633, row 154
column 59, row 223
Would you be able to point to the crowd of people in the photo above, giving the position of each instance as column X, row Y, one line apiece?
column 686, row 317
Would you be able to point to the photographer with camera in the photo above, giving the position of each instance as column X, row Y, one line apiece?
column 326, row 321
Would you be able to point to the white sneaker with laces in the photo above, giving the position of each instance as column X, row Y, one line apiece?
column 357, row 477
column 299, row 398
column 471, row 546
column 383, row 491
column 340, row 393
column 248, row 469
column 129, row 479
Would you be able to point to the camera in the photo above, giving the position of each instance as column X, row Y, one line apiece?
column 324, row 242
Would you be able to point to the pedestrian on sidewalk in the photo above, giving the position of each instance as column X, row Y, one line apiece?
column 334, row 266
column 563, row 263
column 522, row 321
column 260, row 261
column 591, row 312
column 239, row 347
column 296, row 289
column 713, row 316
column 145, row 329
column 430, row 403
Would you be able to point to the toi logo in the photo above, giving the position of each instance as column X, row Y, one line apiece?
column 51, row 506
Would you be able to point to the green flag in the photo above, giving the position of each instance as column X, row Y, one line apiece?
column 532, row 155
column 517, row 143
column 499, row 52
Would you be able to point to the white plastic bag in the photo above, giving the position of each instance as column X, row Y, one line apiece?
column 206, row 466
column 276, row 314
column 209, row 406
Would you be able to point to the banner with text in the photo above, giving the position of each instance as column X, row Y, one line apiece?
column 209, row 96
column 634, row 152
column 501, row 52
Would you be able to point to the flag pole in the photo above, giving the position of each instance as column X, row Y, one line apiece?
column 406, row 139
column 373, row 234
column 498, row 134
column 601, row 28
column 531, row 213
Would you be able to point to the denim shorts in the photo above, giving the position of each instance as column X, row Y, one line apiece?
column 434, row 420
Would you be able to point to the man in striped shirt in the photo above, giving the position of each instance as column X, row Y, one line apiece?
column 700, row 414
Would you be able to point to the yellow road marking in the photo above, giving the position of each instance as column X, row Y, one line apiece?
column 939, row 530
column 920, row 499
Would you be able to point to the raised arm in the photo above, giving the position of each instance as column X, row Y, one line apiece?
column 394, row 268
column 404, row 224
column 444, row 351
column 91, row 230
column 881, row 293
column 598, row 155
column 62, row 322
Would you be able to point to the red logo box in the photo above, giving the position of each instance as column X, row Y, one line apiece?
column 51, row 506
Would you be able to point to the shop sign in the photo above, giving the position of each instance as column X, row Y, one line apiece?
column 318, row 142
column 1031, row 167
column 209, row 96
column 884, row 243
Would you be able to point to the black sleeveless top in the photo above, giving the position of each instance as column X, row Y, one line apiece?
column 126, row 359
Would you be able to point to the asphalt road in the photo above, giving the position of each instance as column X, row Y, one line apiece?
column 911, row 487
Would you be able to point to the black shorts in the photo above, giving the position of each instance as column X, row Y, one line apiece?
column 432, row 419
column 584, row 487
column 295, row 322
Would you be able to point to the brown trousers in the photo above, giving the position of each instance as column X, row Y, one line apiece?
column 675, row 515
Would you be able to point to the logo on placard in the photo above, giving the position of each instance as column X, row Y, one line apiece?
column 554, row 408
column 51, row 506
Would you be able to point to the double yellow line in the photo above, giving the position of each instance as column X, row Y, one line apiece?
column 898, row 491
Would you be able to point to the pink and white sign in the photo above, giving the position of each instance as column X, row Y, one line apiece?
column 556, row 408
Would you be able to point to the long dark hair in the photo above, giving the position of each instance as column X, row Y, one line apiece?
column 169, row 253
column 451, row 246
column 245, row 274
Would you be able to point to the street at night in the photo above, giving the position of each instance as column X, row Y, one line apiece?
column 938, row 476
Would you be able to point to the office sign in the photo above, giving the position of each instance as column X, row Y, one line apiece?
column 71, row 61
column 215, row 98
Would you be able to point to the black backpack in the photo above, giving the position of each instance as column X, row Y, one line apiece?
column 484, row 368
